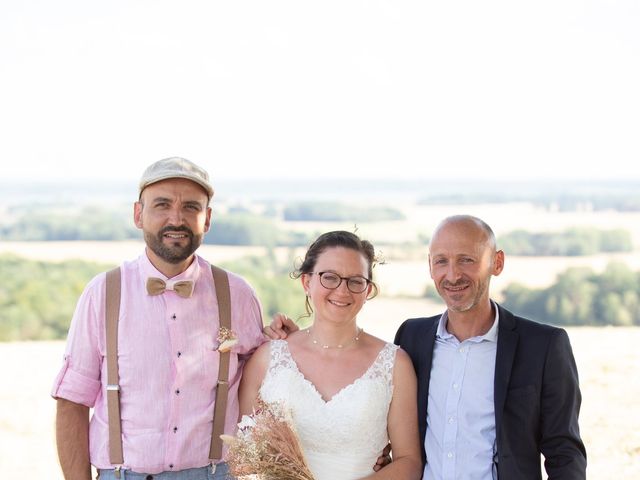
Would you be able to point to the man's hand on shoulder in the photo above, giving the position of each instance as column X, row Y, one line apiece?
column 280, row 328
column 384, row 459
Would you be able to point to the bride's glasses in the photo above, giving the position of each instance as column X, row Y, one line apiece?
column 330, row 280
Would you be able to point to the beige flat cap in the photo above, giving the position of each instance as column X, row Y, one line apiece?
column 175, row 167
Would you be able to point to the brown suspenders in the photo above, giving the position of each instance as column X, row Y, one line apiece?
column 112, row 315
column 221, row 282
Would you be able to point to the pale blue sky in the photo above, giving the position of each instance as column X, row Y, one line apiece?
column 283, row 89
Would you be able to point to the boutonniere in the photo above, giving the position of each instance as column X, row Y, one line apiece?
column 226, row 339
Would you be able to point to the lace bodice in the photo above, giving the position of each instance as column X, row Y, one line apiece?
column 342, row 437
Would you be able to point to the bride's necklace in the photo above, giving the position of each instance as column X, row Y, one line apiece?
column 340, row 345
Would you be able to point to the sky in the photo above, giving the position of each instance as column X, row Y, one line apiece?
column 497, row 89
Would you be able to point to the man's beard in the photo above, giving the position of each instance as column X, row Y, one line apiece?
column 480, row 290
column 174, row 253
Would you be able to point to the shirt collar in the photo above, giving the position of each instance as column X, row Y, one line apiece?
column 490, row 336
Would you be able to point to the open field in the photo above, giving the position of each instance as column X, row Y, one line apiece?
column 607, row 359
column 503, row 218
column 405, row 272
column 397, row 277
column 111, row 252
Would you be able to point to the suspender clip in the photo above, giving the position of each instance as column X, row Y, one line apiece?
column 112, row 388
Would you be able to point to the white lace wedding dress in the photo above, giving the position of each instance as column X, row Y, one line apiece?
column 342, row 437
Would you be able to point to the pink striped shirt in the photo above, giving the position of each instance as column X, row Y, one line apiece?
column 168, row 365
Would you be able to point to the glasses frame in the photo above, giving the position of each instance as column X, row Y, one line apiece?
column 347, row 279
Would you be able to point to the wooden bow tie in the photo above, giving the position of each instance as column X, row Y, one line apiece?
column 156, row 286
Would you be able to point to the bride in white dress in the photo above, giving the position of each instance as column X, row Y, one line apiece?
column 349, row 393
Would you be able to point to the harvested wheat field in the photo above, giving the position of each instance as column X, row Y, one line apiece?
column 607, row 359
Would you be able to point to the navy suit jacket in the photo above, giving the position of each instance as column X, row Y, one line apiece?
column 536, row 395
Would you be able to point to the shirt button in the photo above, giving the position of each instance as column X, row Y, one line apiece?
column 171, row 465
column 179, row 353
column 451, row 419
column 175, row 429
column 178, row 392
column 455, row 386
column 174, row 316
column 461, row 350
column 449, row 455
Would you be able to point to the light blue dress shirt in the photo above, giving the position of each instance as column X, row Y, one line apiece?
column 461, row 425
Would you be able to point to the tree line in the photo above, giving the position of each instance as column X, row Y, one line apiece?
column 238, row 227
column 567, row 243
column 619, row 198
column 37, row 298
column 582, row 297
column 243, row 228
column 338, row 212
column 579, row 296
column 89, row 223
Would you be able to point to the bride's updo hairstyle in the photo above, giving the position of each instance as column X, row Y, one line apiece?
column 337, row 238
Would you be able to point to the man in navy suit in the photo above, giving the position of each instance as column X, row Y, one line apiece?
column 495, row 391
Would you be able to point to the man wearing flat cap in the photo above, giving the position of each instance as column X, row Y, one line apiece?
column 153, row 348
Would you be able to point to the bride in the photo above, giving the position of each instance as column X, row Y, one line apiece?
column 349, row 392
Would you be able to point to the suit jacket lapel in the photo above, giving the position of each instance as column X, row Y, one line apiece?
column 426, row 358
column 417, row 336
column 427, row 338
column 506, row 350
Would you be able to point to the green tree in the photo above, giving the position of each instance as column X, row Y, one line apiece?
column 243, row 229
column 581, row 297
column 90, row 223
column 277, row 291
column 571, row 242
column 38, row 300
column 617, row 240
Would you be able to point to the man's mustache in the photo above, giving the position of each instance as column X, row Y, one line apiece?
column 181, row 228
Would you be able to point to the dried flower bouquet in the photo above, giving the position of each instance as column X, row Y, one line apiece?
column 267, row 447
